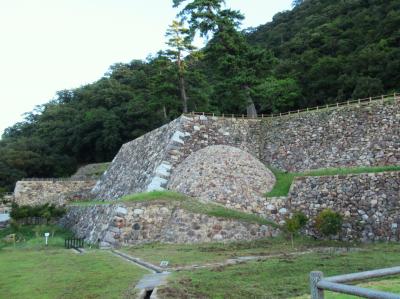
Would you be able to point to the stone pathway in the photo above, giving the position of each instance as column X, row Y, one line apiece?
column 139, row 262
column 149, row 282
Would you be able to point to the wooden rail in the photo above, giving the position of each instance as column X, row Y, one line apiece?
column 53, row 180
column 361, row 102
column 336, row 284
column 74, row 243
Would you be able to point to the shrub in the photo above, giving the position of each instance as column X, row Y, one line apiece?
column 43, row 211
column 328, row 222
column 294, row 224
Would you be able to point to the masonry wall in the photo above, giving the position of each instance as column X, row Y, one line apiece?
column 370, row 203
column 339, row 137
column 126, row 224
column 135, row 166
column 146, row 163
column 58, row 192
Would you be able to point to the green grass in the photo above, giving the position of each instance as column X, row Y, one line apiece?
column 195, row 254
column 285, row 179
column 284, row 277
column 187, row 203
column 33, row 236
column 29, row 269
column 60, row 273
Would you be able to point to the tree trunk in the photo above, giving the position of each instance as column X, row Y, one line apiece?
column 165, row 113
column 182, row 84
column 183, row 93
column 251, row 108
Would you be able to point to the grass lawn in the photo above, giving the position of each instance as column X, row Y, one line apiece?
column 61, row 273
column 196, row 254
column 284, row 179
column 28, row 269
column 285, row 277
column 187, row 203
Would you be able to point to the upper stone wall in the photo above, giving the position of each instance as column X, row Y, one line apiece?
column 135, row 167
column 146, row 163
column 337, row 137
column 342, row 137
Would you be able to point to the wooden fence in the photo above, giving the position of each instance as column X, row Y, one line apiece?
column 360, row 102
column 53, row 180
column 74, row 243
column 336, row 284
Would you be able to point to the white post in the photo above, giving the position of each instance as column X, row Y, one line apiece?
column 46, row 235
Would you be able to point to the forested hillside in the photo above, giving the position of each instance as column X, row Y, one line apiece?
column 319, row 52
column 336, row 50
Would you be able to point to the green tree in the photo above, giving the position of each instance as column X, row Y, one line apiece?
column 180, row 43
column 275, row 95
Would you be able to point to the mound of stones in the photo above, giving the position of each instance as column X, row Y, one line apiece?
column 223, row 174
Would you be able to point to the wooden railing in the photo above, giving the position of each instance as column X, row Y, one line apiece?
column 53, row 180
column 360, row 102
column 337, row 284
column 74, row 243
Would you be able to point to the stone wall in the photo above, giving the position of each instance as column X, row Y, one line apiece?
column 58, row 192
column 339, row 137
column 126, row 224
column 146, row 164
column 223, row 174
column 136, row 166
column 90, row 171
column 370, row 203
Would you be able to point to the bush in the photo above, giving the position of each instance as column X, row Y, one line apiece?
column 41, row 211
column 328, row 222
column 294, row 224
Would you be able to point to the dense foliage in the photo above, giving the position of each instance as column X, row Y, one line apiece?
column 42, row 211
column 335, row 50
column 319, row 52
column 328, row 222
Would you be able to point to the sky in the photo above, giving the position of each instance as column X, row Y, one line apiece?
column 51, row 45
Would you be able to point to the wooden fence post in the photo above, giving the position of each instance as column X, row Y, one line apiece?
column 315, row 277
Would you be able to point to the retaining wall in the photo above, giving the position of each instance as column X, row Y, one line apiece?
column 56, row 192
column 126, row 224
column 370, row 203
column 146, row 163
column 343, row 137
column 337, row 137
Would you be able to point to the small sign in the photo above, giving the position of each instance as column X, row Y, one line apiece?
column 164, row 264
column 46, row 235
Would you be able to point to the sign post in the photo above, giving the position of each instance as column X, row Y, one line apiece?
column 46, row 235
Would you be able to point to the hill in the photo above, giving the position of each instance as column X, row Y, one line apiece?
column 336, row 50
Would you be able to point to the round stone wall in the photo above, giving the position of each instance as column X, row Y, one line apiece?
column 223, row 174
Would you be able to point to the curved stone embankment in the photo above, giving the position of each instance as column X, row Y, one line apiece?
column 223, row 174
column 124, row 224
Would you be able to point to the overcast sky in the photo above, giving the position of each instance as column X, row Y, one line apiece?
column 50, row 45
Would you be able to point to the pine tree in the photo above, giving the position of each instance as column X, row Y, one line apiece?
column 180, row 42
